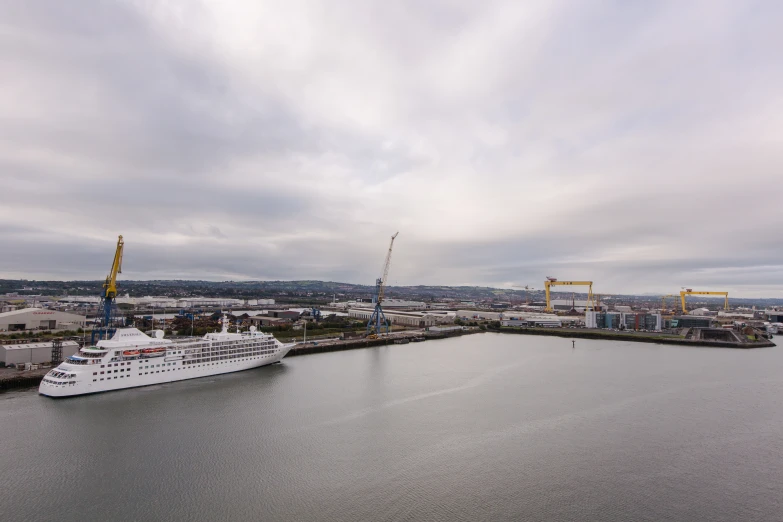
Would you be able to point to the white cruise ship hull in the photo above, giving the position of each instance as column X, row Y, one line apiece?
column 106, row 367
column 157, row 376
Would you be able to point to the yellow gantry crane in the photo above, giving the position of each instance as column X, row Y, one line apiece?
column 109, row 293
column 683, row 293
column 663, row 302
column 551, row 281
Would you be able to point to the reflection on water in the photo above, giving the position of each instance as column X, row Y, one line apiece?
column 483, row 427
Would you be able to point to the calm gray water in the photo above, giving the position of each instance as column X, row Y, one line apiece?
column 483, row 427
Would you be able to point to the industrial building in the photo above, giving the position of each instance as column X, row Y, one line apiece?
column 35, row 353
column 291, row 315
column 565, row 305
column 774, row 316
column 512, row 317
column 624, row 320
column 530, row 319
column 690, row 321
column 478, row 315
column 265, row 320
column 415, row 319
column 396, row 304
column 39, row 319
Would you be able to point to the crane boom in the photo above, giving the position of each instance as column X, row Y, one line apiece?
column 108, row 294
column 110, row 286
column 386, row 264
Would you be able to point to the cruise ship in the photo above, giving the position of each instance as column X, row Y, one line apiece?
column 131, row 358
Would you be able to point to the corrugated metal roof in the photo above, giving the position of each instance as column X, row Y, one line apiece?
column 35, row 345
column 21, row 311
column 34, row 310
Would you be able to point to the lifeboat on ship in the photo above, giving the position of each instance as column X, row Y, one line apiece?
column 153, row 352
column 130, row 353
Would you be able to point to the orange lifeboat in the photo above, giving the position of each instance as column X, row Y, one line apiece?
column 130, row 353
column 153, row 352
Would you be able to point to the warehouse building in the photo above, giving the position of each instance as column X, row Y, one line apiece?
column 530, row 319
column 690, row 321
column 479, row 315
column 415, row 319
column 774, row 316
column 39, row 319
column 35, row 353
column 565, row 305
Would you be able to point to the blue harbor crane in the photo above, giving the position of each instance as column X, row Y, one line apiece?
column 107, row 310
column 378, row 320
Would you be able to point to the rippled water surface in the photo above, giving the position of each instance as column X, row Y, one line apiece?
column 483, row 427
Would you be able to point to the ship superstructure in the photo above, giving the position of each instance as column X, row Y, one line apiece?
column 131, row 358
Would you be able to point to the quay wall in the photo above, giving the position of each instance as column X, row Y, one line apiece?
column 577, row 333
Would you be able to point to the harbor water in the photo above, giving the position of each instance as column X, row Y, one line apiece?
column 480, row 427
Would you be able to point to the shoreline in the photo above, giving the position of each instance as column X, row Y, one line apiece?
column 581, row 333
column 15, row 379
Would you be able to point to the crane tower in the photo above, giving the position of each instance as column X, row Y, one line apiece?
column 378, row 321
column 106, row 312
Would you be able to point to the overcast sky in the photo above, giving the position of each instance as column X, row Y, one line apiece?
column 635, row 144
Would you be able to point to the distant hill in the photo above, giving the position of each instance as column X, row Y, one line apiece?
column 322, row 291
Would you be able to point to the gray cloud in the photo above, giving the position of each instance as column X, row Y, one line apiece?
column 636, row 145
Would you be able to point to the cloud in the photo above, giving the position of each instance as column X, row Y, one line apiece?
column 636, row 145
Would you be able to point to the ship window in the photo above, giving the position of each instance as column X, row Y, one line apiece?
column 95, row 380
column 103, row 365
column 95, row 373
column 101, row 378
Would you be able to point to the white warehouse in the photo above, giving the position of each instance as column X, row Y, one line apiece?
column 416, row 319
column 36, row 353
column 39, row 319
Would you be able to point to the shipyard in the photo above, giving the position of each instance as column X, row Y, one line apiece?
column 61, row 332
column 391, row 261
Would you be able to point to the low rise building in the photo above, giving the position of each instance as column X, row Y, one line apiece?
column 479, row 315
column 35, row 353
column 530, row 319
column 291, row 315
column 414, row 319
column 774, row 316
column 39, row 319
column 624, row 320
column 564, row 305
column 690, row 321
column 264, row 320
